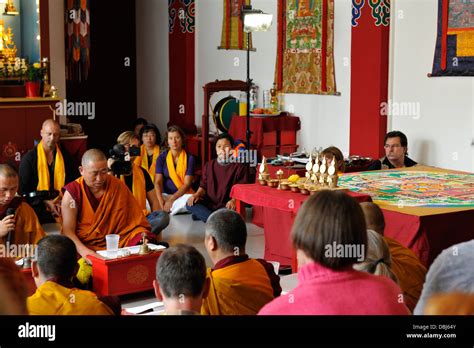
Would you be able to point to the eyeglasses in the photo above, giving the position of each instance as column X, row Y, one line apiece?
column 394, row 146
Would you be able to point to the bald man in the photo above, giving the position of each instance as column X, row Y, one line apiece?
column 405, row 264
column 98, row 204
column 19, row 224
column 47, row 167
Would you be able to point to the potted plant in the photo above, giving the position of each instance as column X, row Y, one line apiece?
column 34, row 77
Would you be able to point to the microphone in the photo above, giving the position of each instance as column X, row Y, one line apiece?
column 10, row 211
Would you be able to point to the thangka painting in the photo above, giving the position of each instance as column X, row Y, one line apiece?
column 454, row 54
column 78, row 41
column 233, row 36
column 305, row 59
column 414, row 188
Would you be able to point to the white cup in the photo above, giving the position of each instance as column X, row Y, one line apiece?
column 112, row 241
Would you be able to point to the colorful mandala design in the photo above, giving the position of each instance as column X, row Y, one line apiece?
column 171, row 16
column 187, row 16
column 414, row 188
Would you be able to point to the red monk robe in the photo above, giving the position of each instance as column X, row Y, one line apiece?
column 409, row 271
column 116, row 212
column 240, row 286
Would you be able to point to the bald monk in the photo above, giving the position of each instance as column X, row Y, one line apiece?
column 13, row 288
column 53, row 271
column 98, row 204
column 238, row 285
column 405, row 264
column 22, row 227
column 47, row 167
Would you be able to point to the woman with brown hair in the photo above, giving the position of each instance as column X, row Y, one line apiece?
column 330, row 236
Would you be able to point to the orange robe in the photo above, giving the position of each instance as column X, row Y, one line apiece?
column 138, row 187
column 117, row 213
column 54, row 299
column 239, row 289
column 28, row 230
column 409, row 271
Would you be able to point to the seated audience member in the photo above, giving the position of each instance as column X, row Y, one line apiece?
column 174, row 173
column 239, row 285
column 396, row 153
column 378, row 260
column 454, row 303
column 13, row 288
column 218, row 177
column 451, row 271
column 181, row 280
column 47, row 167
column 98, row 204
column 407, row 267
column 53, row 271
column 328, row 222
column 138, row 124
column 150, row 149
column 141, row 185
column 333, row 152
column 18, row 222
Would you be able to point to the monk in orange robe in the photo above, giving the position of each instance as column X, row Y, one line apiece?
column 55, row 294
column 405, row 264
column 238, row 285
column 19, row 224
column 13, row 288
column 98, row 204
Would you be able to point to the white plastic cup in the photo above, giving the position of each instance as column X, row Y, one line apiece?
column 112, row 241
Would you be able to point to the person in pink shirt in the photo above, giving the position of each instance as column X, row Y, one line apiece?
column 329, row 235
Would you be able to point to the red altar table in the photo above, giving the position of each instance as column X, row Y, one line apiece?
column 279, row 212
column 125, row 275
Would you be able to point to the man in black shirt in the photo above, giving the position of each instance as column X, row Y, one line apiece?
column 142, row 187
column 396, row 153
column 46, row 168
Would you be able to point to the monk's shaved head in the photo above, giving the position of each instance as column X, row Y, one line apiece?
column 50, row 122
column 93, row 156
column 7, row 171
column 13, row 288
column 373, row 217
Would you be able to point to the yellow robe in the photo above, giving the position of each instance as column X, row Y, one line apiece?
column 28, row 230
column 239, row 289
column 54, row 299
column 409, row 271
column 138, row 187
column 117, row 213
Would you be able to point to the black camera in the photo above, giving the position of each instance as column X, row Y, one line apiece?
column 122, row 164
column 37, row 197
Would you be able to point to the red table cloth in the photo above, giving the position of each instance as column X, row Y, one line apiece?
column 279, row 212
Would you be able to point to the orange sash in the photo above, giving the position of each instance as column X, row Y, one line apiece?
column 43, row 172
column 143, row 160
column 117, row 213
column 240, row 289
column 177, row 174
column 138, row 187
column 54, row 299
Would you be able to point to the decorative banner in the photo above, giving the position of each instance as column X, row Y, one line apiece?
column 369, row 76
column 182, row 22
column 233, row 36
column 77, row 39
column 454, row 53
column 305, row 57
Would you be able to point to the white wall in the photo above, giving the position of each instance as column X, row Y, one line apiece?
column 324, row 119
column 153, row 61
column 57, row 48
column 442, row 134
